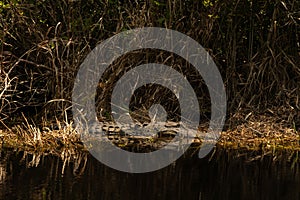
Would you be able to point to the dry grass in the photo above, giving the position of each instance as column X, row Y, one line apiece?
column 255, row 46
column 31, row 138
column 273, row 130
column 263, row 133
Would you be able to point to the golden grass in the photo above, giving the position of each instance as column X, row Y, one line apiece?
column 31, row 138
column 259, row 133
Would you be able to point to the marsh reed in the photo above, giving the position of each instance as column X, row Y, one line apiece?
column 254, row 44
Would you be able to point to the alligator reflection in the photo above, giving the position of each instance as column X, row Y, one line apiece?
column 223, row 177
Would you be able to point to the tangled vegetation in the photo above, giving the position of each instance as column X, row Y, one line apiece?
column 255, row 44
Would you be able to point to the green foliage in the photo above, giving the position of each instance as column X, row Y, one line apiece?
column 207, row 3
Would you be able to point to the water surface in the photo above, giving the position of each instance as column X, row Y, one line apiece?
column 225, row 176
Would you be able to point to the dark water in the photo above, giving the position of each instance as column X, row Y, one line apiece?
column 223, row 177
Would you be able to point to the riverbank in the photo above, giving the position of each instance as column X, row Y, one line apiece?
column 257, row 133
column 263, row 133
